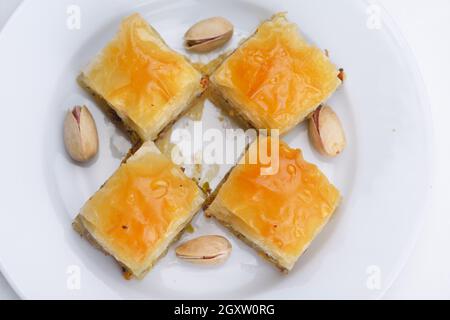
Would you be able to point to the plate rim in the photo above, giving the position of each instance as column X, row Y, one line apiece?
column 3, row 270
column 395, row 32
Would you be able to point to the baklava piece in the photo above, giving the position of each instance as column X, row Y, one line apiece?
column 140, row 210
column 277, row 214
column 147, row 84
column 275, row 79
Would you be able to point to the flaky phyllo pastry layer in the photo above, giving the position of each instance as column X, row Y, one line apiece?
column 145, row 82
column 140, row 210
column 275, row 78
column 277, row 214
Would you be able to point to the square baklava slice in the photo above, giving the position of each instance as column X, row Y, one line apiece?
column 278, row 213
column 275, row 79
column 140, row 210
column 147, row 84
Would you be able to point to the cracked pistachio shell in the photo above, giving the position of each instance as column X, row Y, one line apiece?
column 80, row 134
column 206, row 250
column 208, row 34
column 326, row 132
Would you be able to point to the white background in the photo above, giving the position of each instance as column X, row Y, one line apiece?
column 425, row 24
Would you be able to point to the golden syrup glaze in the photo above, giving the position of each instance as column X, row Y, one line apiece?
column 276, row 76
column 138, row 74
column 135, row 209
column 286, row 209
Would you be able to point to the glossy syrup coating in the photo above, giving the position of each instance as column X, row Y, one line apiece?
column 286, row 209
column 134, row 210
column 276, row 77
column 138, row 74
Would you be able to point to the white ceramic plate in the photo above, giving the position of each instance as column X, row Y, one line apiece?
column 384, row 174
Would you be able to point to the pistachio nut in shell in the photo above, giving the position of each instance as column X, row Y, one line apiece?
column 326, row 132
column 205, row 250
column 80, row 134
column 208, row 34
